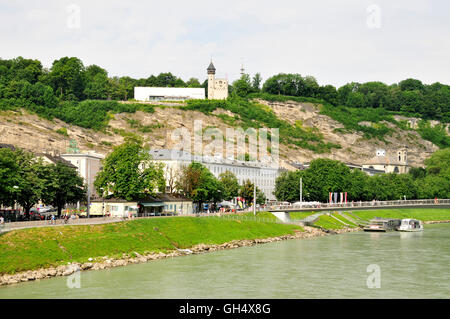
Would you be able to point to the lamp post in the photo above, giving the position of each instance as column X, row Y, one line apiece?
column 15, row 187
column 254, row 199
column 301, row 192
column 88, row 210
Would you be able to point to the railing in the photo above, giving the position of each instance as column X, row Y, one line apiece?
column 366, row 204
column 239, row 217
column 233, row 216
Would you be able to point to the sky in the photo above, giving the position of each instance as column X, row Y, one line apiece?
column 337, row 42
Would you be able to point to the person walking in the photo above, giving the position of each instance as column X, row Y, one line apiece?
column 53, row 219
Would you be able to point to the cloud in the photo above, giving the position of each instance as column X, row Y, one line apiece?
column 327, row 39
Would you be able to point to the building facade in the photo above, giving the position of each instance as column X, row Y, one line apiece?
column 150, row 206
column 262, row 175
column 397, row 163
column 88, row 165
column 217, row 88
column 147, row 94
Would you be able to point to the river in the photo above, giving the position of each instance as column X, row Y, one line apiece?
column 409, row 265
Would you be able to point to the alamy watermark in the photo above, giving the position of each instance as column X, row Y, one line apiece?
column 373, row 20
column 74, row 280
column 374, row 279
column 74, row 16
column 251, row 145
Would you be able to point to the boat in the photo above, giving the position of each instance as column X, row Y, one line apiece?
column 382, row 225
column 410, row 225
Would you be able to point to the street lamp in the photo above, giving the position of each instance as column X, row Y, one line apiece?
column 15, row 189
column 301, row 192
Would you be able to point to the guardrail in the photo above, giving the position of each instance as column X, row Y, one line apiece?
column 251, row 218
column 361, row 204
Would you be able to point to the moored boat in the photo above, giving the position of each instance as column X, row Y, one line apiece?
column 382, row 225
column 410, row 225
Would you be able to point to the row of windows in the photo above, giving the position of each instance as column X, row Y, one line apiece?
column 241, row 171
column 173, row 207
column 260, row 182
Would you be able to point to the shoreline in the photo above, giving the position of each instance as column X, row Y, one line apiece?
column 436, row 222
column 100, row 263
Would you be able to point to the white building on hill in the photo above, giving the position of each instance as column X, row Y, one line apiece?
column 147, row 94
column 217, row 88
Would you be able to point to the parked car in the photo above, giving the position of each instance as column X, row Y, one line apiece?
column 47, row 209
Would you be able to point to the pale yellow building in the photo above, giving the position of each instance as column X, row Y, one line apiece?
column 217, row 88
column 397, row 163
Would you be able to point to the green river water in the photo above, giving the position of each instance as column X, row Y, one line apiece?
column 411, row 265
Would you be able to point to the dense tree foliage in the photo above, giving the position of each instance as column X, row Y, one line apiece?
column 325, row 175
column 25, row 179
column 230, row 185
column 26, row 81
column 409, row 96
column 195, row 181
column 63, row 186
column 128, row 173
column 247, row 191
column 76, row 94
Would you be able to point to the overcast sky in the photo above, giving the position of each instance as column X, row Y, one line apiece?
column 334, row 41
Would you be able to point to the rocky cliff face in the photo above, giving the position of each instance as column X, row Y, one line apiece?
column 31, row 132
column 355, row 148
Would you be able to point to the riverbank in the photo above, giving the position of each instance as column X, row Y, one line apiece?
column 45, row 247
column 107, row 262
column 425, row 215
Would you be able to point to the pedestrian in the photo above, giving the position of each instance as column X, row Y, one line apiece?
column 53, row 219
column 2, row 220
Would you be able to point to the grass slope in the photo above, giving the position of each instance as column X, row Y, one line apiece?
column 33, row 248
column 421, row 214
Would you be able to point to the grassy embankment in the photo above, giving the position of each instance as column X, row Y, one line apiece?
column 420, row 214
column 349, row 219
column 34, row 248
column 364, row 216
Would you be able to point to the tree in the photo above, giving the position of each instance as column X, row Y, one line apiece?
column 196, row 182
column 193, row 83
column 439, row 162
column 96, row 83
column 243, row 86
column 32, row 181
column 411, row 85
column 324, row 176
column 129, row 173
column 256, row 83
column 329, row 94
column 287, row 186
column 66, row 77
column 230, row 185
column 9, row 176
column 356, row 182
column 63, row 186
column 247, row 192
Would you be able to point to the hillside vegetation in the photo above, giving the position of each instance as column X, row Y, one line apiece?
column 86, row 97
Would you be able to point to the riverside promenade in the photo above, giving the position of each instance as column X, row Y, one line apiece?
column 349, row 206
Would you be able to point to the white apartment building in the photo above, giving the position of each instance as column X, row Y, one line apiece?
column 88, row 165
column 262, row 175
column 146, row 94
